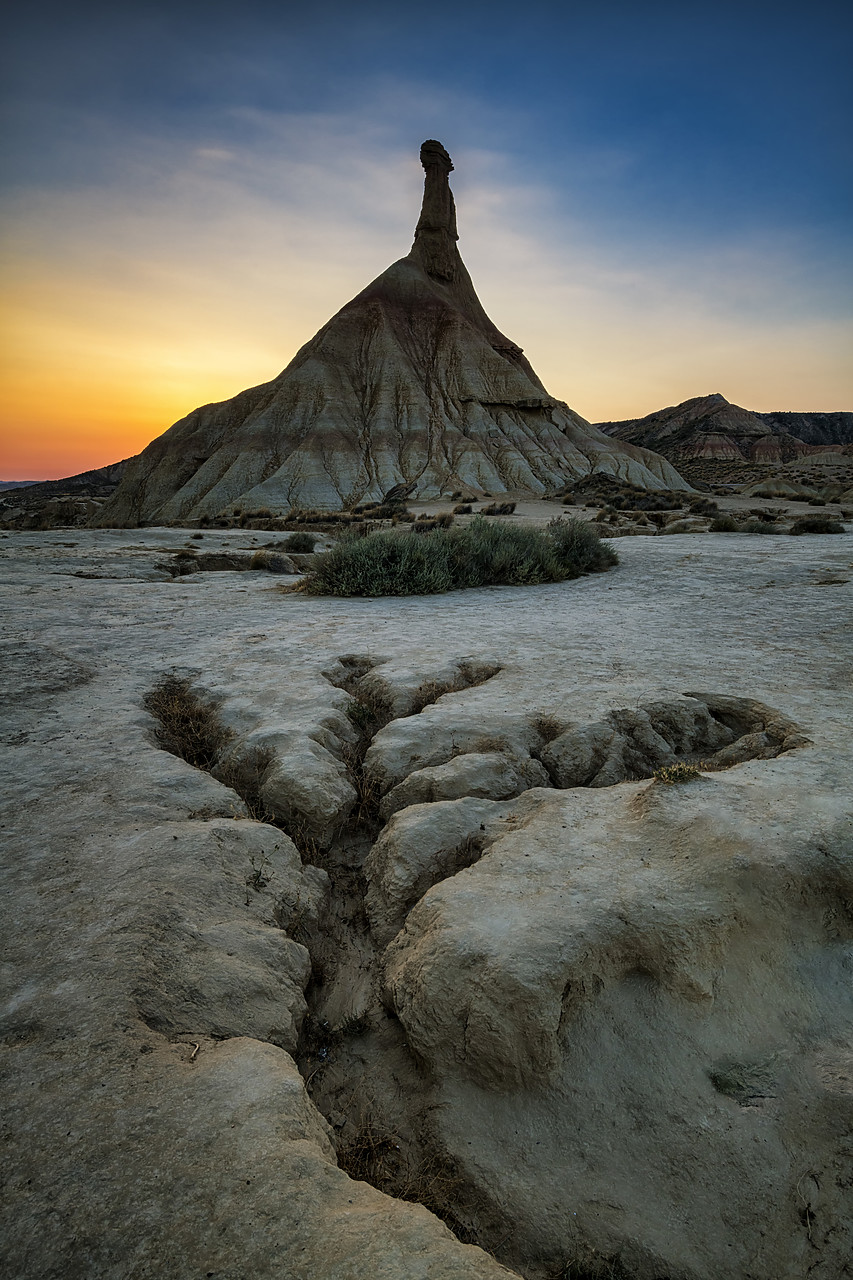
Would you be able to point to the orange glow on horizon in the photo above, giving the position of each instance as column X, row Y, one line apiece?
column 111, row 343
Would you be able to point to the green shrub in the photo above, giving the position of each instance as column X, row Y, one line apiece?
column 482, row 554
column 300, row 542
column 579, row 547
column 758, row 526
column 723, row 524
column 679, row 526
column 816, row 524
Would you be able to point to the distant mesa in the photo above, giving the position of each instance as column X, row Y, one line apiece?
column 409, row 384
column 711, row 427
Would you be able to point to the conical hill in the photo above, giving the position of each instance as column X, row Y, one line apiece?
column 410, row 383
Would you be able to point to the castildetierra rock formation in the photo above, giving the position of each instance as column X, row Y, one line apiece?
column 410, row 383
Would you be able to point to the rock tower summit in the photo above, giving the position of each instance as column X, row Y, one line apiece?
column 410, row 383
column 436, row 234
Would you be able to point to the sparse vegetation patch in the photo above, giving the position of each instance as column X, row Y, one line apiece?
column 482, row 554
column 816, row 524
column 673, row 774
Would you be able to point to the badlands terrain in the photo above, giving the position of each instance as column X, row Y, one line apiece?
column 419, row 972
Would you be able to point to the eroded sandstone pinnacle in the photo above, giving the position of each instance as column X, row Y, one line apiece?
column 436, row 234
column 411, row 383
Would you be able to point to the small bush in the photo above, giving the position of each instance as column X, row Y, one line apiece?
column 679, row 526
column 679, row 772
column 758, row 526
column 816, row 524
column 723, row 524
column 300, row 542
column 498, row 509
column 481, row 554
column 703, row 507
column 817, row 502
column 428, row 523
column 463, row 509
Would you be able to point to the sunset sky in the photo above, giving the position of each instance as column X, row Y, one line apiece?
column 653, row 199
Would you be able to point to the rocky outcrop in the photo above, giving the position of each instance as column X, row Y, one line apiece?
column 409, row 384
column 47, row 504
column 602, row 1027
column 709, row 427
column 812, row 428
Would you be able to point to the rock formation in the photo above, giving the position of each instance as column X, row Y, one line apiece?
column 409, row 384
column 711, row 427
column 417, row 945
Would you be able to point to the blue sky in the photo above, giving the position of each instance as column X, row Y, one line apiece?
column 654, row 199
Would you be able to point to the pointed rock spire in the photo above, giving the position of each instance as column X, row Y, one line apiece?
column 409, row 384
column 436, row 235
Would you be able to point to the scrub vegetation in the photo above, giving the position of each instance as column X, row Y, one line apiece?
column 481, row 554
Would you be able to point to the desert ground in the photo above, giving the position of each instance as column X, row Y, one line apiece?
column 541, row 1014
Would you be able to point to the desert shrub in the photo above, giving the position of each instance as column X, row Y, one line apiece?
column 679, row 772
column 393, row 564
column 427, row 524
column 498, row 509
column 568, row 500
column 463, row 509
column 817, row 502
column 679, row 526
column 703, row 507
column 481, row 554
column 723, row 524
column 816, row 524
column 758, row 526
column 300, row 542
column 259, row 560
column 387, row 510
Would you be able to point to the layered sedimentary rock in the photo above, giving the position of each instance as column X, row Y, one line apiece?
column 712, row 427
column 409, row 384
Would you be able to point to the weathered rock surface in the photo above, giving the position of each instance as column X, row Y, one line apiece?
column 409, row 384
column 620, row 1019
column 489, row 774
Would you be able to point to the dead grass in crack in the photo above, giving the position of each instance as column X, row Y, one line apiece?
column 187, row 726
column 376, row 1155
column 548, row 728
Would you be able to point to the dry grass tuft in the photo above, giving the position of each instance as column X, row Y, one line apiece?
column 672, row 774
column 187, row 726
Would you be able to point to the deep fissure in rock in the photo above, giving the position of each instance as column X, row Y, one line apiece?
column 358, row 1067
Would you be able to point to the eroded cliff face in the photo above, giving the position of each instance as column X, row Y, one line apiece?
column 410, row 383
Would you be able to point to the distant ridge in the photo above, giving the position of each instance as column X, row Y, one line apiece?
column 711, row 427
